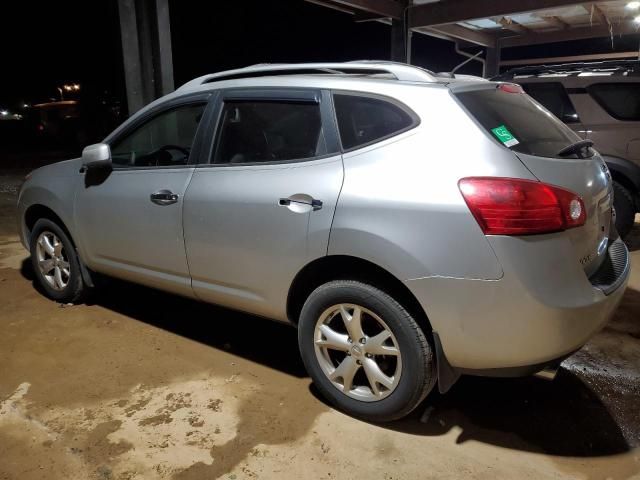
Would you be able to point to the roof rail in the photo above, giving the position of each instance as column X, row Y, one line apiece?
column 620, row 66
column 399, row 71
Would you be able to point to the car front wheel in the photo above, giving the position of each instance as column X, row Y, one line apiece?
column 55, row 262
column 365, row 353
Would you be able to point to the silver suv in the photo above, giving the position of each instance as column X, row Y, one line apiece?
column 413, row 227
column 600, row 101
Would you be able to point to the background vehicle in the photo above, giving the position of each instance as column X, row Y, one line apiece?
column 599, row 101
column 413, row 227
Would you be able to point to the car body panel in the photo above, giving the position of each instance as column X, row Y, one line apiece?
column 244, row 248
column 126, row 235
column 539, row 311
column 400, row 195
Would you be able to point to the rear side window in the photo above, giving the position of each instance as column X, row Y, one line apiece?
column 363, row 119
column 620, row 100
column 518, row 122
column 554, row 97
column 269, row 131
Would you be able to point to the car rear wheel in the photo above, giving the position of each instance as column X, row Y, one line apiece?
column 625, row 209
column 55, row 262
column 365, row 353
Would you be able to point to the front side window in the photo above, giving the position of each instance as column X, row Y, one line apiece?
column 269, row 131
column 363, row 119
column 554, row 97
column 163, row 141
column 620, row 100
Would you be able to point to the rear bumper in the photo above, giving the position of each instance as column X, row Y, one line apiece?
column 539, row 311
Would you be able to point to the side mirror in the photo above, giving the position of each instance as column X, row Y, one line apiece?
column 96, row 156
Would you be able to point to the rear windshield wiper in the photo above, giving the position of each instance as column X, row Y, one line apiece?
column 576, row 148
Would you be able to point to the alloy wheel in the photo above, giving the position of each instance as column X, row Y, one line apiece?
column 52, row 260
column 357, row 352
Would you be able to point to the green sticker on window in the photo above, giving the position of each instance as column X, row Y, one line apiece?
column 505, row 136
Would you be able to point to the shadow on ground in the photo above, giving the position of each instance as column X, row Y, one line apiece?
column 564, row 417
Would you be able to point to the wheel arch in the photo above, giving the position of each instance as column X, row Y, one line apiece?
column 627, row 174
column 345, row 267
column 37, row 211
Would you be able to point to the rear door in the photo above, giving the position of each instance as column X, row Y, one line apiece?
column 536, row 137
column 262, row 207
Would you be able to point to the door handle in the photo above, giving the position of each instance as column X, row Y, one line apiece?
column 301, row 199
column 164, row 197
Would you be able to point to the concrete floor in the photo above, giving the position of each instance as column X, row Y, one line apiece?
column 143, row 385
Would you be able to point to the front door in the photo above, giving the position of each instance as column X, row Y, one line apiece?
column 262, row 208
column 130, row 223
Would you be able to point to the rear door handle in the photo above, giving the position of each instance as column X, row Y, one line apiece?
column 164, row 197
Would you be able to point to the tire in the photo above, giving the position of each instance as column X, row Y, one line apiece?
column 71, row 288
column 413, row 371
column 625, row 209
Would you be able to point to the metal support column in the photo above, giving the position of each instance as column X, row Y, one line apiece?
column 400, row 39
column 146, row 48
column 492, row 62
column 130, row 54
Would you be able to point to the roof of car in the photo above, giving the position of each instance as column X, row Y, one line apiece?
column 361, row 69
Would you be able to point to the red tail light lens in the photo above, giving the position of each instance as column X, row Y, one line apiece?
column 511, row 206
column 510, row 88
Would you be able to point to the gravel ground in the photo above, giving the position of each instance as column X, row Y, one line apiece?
column 145, row 385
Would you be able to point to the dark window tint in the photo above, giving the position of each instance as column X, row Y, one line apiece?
column 165, row 140
column 364, row 120
column 518, row 122
column 269, row 132
column 554, row 98
column 620, row 100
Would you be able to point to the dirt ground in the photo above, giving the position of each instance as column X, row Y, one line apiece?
column 144, row 385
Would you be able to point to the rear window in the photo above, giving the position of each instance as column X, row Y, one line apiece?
column 554, row 97
column 620, row 100
column 518, row 122
column 363, row 119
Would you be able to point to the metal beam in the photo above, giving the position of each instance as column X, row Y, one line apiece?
column 491, row 63
column 556, row 22
column 399, row 39
column 458, row 32
column 579, row 33
column 509, row 24
column 450, row 11
column 570, row 59
column 385, row 8
column 331, row 6
column 595, row 11
column 361, row 17
column 163, row 55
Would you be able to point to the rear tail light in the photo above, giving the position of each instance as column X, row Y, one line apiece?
column 510, row 88
column 512, row 206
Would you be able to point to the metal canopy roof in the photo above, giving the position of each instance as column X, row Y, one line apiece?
column 500, row 23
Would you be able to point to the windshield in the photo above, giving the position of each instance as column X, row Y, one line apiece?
column 519, row 122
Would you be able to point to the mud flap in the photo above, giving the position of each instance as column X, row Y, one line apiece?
column 84, row 272
column 447, row 375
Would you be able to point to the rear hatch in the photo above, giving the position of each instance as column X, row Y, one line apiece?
column 536, row 137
